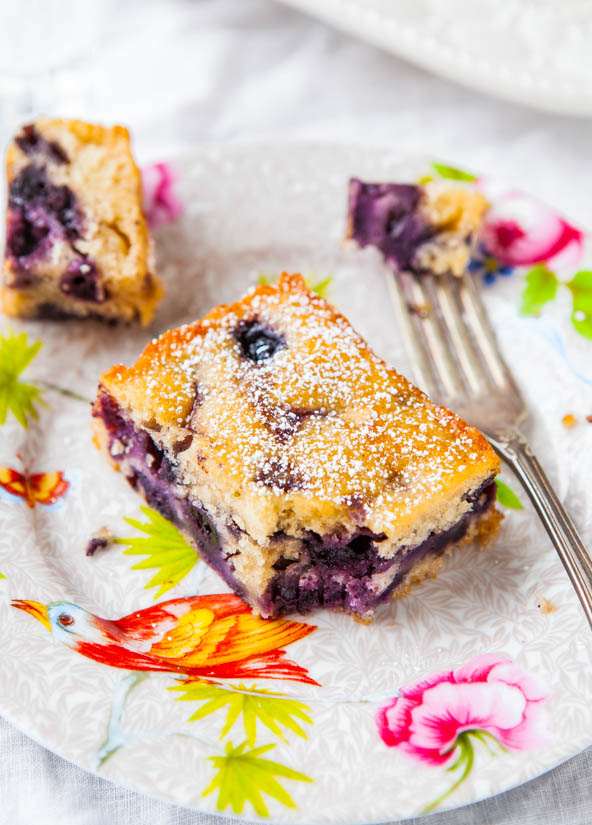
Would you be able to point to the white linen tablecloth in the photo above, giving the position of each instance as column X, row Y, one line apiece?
column 184, row 72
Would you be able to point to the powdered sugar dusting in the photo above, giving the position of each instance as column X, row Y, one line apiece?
column 323, row 417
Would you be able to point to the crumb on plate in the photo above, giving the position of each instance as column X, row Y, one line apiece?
column 545, row 606
column 99, row 541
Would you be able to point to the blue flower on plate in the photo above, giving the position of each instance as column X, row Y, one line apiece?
column 483, row 263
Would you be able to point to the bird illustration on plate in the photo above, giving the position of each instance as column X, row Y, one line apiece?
column 201, row 637
column 195, row 638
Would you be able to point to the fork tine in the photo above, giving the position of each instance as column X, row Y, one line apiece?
column 446, row 289
column 433, row 350
column 416, row 349
column 448, row 315
column 453, row 348
column 436, row 336
column 483, row 336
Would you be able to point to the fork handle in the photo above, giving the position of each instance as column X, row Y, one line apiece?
column 563, row 533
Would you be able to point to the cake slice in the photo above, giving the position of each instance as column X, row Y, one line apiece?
column 306, row 471
column 429, row 228
column 77, row 243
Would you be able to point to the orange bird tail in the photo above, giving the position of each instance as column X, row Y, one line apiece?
column 268, row 666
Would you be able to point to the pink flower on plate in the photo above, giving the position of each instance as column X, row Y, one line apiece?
column 161, row 204
column 519, row 230
column 489, row 699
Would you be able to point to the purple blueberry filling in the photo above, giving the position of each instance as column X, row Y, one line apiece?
column 387, row 216
column 257, row 341
column 39, row 212
column 81, row 280
column 153, row 474
column 332, row 571
column 32, row 143
column 33, row 188
column 26, row 234
column 331, row 574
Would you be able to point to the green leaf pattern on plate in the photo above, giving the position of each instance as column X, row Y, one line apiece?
column 507, row 497
column 320, row 287
column 541, row 287
column 272, row 710
column 16, row 396
column 243, row 776
column 453, row 173
column 168, row 551
column 581, row 290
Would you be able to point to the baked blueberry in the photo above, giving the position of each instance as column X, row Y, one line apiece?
column 257, row 341
column 82, row 281
column 30, row 142
column 25, row 236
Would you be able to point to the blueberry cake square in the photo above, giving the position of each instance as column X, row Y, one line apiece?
column 77, row 243
column 305, row 470
column 418, row 228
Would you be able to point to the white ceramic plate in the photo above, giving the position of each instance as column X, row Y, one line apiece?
column 531, row 53
column 264, row 208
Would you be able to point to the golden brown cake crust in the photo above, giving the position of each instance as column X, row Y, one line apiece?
column 322, row 436
column 95, row 163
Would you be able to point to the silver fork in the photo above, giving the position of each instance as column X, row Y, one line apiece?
column 458, row 363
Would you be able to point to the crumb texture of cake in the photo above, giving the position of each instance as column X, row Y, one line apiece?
column 77, row 242
column 307, row 471
column 418, row 228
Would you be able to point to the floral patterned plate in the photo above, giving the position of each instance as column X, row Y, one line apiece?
column 472, row 684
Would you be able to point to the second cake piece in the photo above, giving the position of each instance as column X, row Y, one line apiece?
column 307, row 472
column 77, row 243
